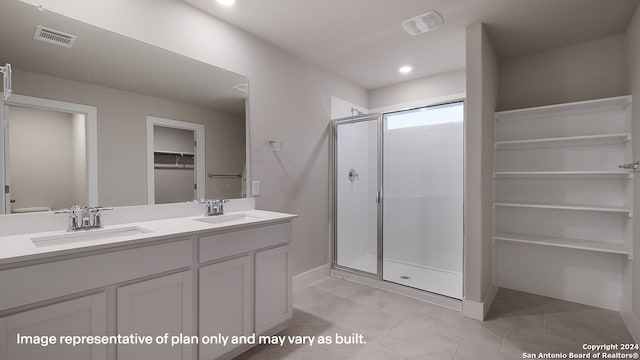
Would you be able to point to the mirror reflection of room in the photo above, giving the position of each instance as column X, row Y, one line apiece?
column 174, row 175
column 46, row 166
column 125, row 81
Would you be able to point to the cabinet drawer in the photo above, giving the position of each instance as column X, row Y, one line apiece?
column 222, row 245
column 41, row 282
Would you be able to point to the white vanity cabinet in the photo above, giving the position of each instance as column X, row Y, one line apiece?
column 250, row 293
column 199, row 283
column 155, row 307
column 273, row 288
column 226, row 297
column 82, row 316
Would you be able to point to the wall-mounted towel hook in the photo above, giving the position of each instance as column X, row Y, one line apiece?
column 275, row 145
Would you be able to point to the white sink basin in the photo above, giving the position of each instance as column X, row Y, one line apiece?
column 88, row 235
column 221, row 219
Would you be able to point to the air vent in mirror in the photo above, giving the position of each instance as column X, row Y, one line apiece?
column 54, row 37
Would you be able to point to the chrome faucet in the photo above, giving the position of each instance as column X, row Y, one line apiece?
column 214, row 206
column 83, row 218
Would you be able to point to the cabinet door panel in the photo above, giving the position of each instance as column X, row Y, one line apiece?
column 225, row 303
column 273, row 288
column 155, row 307
column 82, row 316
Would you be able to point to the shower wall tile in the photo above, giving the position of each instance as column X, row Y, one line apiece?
column 423, row 199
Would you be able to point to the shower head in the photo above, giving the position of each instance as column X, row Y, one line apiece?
column 355, row 112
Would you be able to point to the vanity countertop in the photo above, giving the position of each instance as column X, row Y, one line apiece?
column 21, row 247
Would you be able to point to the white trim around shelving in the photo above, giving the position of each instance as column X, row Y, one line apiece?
column 620, row 138
column 609, row 209
column 619, row 102
column 617, row 174
column 565, row 243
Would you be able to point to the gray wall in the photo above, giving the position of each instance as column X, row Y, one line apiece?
column 290, row 101
column 428, row 87
column 588, row 70
column 79, row 159
column 41, row 162
column 122, row 139
column 482, row 96
column 633, row 40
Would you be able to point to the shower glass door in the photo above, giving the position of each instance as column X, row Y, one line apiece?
column 356, row 200
column 423, row 198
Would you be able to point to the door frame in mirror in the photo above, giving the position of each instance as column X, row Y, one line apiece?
column 198, row 129
column 91, row 144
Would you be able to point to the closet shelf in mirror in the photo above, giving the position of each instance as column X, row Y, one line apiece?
column 224, row 176
column 613, row 174
column 589, row 245
column 607, row 209
column 175, row 153
column 173, row 166
column 566, row 141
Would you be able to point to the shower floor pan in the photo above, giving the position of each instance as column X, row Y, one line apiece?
column 441, row 282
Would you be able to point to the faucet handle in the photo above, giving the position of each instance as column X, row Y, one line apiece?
column 70, row 210
column 95, row 220
column 99, row 208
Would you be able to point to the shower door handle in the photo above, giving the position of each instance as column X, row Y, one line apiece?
column 378, row 197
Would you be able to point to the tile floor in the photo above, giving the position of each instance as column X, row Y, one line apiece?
column 398, row 327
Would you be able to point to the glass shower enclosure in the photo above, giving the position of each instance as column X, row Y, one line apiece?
column 398, row 195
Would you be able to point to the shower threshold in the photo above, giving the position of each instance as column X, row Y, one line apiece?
column 434, row 280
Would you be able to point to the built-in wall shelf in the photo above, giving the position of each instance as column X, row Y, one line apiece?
column 565, row 243
column 614, row 174
column 565, row 109
column 608, row 209
column 557, row 184
column 566, row 141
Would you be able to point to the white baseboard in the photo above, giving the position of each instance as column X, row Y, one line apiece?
column 602, row 299
column 301, row 281
column 478, row 310
column 633, row 324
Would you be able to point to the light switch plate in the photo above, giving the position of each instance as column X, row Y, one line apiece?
column 255, row 188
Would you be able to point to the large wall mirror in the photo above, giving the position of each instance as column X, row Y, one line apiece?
column 114, row 121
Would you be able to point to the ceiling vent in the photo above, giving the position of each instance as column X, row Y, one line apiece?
column 422, row 23
column 54, row 37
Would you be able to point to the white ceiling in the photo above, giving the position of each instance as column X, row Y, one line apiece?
column 104, row 58
column 363, row 41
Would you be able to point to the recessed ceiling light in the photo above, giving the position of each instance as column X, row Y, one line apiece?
column 226, row 2
column 405, row 69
